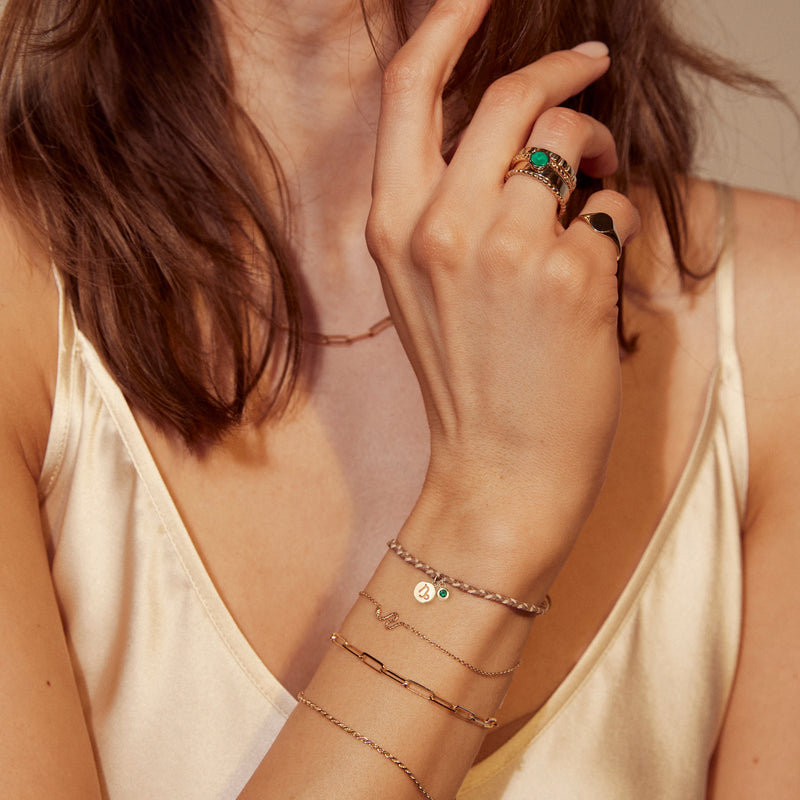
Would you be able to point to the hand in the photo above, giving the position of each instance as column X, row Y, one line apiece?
column 508, row 319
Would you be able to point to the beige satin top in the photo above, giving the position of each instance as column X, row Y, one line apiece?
column 180, row 707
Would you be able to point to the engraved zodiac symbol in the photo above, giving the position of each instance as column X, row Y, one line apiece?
column 424, row 592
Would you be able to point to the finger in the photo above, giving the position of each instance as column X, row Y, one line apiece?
column 585, row 142
column 511, row 106
column 409, row 136
column 579, row 139
column 626, row 223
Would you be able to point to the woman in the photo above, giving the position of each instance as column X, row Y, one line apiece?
column 193, row 504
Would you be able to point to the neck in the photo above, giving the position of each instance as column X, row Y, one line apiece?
column 307, row 75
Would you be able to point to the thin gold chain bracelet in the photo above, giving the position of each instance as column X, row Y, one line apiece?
column 391, row 620
column 361, row 738
column 413, row 686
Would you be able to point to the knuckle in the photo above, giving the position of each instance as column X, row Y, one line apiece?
column 613, row 201
column 563, row 123
column 565, row 277
column 511, row 92
column 406, row 74
column 437, row 240
column 504, row 248
column 381, row 235
column 458, row 12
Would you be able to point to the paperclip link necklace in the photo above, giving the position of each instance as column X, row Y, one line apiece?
column 342, row 339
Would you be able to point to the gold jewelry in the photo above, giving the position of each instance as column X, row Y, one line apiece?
column 392, row 620
column 541, row 157
column 547, row 167
column 361, row 738
column 341, row 339
column 440, row 578
column 604, row 224
column 415, row 688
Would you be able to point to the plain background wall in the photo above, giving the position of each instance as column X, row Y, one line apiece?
column 753, row 142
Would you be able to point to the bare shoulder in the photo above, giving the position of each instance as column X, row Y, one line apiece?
column 28, row 343
column 767, row 250
column 758, row 754
column 767, row 253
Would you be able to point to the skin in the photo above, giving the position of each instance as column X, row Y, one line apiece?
column 437, row 253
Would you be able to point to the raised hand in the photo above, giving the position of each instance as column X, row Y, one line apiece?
column 508, row 319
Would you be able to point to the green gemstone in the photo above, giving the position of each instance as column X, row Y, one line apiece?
column 539, row 158
column 444, row 594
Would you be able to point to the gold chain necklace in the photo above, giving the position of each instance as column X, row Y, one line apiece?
column 342, row 339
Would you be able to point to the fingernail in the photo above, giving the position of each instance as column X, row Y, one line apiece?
column 592, row 49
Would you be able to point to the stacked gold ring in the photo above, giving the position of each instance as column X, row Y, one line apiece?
column 549, row 168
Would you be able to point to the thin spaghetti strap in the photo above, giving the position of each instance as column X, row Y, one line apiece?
column 731, row 389
column 62, row 402
column 66, row 316
column 726, row 312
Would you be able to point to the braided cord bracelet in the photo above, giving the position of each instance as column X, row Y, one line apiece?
column 361, row 738
column 439, row 578
column 392, row 620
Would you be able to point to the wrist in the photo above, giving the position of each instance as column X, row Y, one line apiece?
column 511, row 548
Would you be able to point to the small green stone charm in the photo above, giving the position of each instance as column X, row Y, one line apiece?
column 443, row 593
column 539, row 158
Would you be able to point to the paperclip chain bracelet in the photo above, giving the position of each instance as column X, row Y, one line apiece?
column 440, row 578
column 361, row 738
column 392, row 620
column 415, row 688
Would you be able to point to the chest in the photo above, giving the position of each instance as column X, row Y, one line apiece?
column 291, row 519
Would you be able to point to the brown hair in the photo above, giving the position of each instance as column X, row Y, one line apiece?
column 124, row 149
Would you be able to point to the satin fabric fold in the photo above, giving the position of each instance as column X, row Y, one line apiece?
column 179, row 705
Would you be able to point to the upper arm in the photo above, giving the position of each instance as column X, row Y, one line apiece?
column 758, row 754
column 45, row 748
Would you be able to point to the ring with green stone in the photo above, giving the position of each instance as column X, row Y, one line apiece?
column 547, row 167
column 537, row 158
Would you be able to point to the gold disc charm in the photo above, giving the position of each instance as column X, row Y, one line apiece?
column 424, row 592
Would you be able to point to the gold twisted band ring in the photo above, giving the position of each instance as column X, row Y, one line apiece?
column 547, row 167
column 604, row 224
